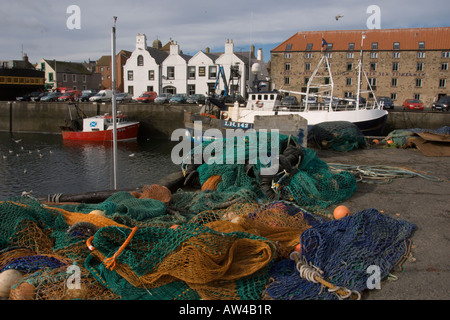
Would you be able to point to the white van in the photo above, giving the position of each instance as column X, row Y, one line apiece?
column 102, row 96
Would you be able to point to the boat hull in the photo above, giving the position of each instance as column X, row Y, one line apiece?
column 129, row 132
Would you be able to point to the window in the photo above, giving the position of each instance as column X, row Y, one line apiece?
column 289, row 47
column 64, row 77
column 442, row 83
column 348, row 94
column 149, row 88
column 307, row 66
column 349, row 81
column 419, row 66
column 171, row 73
column 374, row 55
column 421, row 45
column 130, row 75
column 350, row 55
column 444, row 66
column 372, row 83
column 309, row 47
column 191, row 72
column 329, row 47
column 286, row 80
column 419, row 83
column 327, row 80
column 329, row 55
column 349, row 66
column 306, row 80
column 351, row 46
column 420, row 54
column 374, row 45
column 393, row 96
column 395, row 55
column 373, row 66
column 396, row 46
column 42, row 66
column 151, row 74
column 201, row 71
column 308, row 55
column 140, row 60
column 84, row 79
column 417, row 96
column 74, row 78
column 191, row 89
column 395, row 66
column 288, row 55
column 131, row 90
column 212, row 72
column 287, row 66
column 394, row 82
column 445, row 54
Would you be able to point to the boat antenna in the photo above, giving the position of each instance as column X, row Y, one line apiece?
column 114, row 106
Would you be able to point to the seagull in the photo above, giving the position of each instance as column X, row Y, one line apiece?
column 25, row 171
column 338, row 16
column 4, row 157
column 131, row 155
column 17, row 141
column 40, row 155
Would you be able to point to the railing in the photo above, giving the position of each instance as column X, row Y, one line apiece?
column 325, row 107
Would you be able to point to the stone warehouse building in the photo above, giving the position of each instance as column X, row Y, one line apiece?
column 399, row 63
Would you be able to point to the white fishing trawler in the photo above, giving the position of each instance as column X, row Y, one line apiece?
column 316, row 105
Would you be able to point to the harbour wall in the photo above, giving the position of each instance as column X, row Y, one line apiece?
column 158, row 121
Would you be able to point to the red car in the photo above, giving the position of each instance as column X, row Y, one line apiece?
column 72, row 95
column 412, row 104
column 147, row 97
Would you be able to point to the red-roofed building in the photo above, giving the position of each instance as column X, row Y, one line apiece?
column 399, row 63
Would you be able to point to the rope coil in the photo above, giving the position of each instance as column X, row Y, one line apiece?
column 314, row 274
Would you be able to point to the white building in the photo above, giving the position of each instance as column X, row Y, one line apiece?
column 143, row 70
column 154, row 69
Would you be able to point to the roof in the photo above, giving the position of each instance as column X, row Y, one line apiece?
column 104, row 61
column 157, row 54
column 68, row 67
column 434, row 39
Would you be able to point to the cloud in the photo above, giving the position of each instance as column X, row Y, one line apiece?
column 40, row 26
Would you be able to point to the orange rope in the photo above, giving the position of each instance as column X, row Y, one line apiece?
column 110, row 263
column 89, row 243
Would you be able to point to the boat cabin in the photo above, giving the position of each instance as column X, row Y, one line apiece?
column 264, row 101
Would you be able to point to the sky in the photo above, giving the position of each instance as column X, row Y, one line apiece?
column 53, row 30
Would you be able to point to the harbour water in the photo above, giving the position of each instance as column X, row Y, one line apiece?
column 47, row 165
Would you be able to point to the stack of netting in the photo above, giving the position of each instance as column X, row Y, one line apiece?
column 299, row 175
column 336, row 135
column 351, row 254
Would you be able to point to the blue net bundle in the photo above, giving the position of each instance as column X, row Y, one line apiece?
column 344, row 250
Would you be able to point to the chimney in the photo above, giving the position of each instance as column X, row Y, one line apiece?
column 174, row 48
column 25, row 57
column 259, row 55
column 141, row 41
column 229, row 47
column 252, row 51
column 207, row 50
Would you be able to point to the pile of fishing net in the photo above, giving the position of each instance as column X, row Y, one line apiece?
column 233, row 238
column 237, row 169
column 336, row 135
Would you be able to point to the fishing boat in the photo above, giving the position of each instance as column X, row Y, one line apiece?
column 316, row 105
column 98, row 128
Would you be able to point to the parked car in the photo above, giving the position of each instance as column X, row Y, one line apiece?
column 163, row 98
column 335, row 101
column 72, row 95
column 123, row 97
column 38, row 98
column 289, row 101
column 102, row 96
column 442, row 104
column 86, row 94
column 148, row 96
column 311, row 100
column 178, row 98
column 29, row 96
column 387, row 102
column 196, row 98
column 52, row 96
column 412, row 104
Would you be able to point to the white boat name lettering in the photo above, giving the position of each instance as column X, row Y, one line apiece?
column 236, row 124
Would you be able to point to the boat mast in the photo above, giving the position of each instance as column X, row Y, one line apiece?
column 114, row 107
column 363, row 36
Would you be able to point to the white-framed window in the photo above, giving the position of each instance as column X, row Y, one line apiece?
column 307, row 66
column 288, row 55
column 308, row 55
column 394, row 96
column 350, row 55
column 395, row 55
column 74, row 78
column 419, row 66
column 394, row 82
column 130, row 75
column 418, row 82
column 444, row 66
column 442, row 83
column 420, row 54
column 417, row 96
column 374, row 55
column 287, row 66
column 212, row 72
column 191, row 72
column 395, row 66
column 287, row 80
column 171, row 72
column 348, row 81
column 151, row 75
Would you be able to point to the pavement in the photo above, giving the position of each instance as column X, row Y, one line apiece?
column 425, row 275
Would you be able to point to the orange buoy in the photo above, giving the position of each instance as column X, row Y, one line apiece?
column 298, row 248
column 376, row 141
column 340, row 212
column 390, row 141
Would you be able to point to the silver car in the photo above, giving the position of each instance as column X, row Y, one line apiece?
column 163, row 98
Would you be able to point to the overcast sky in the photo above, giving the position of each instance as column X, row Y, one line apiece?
column 40, row 26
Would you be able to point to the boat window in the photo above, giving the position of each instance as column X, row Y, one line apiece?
column 253, row 97
column 259, row 97
column 271, row 97
column 265, row 97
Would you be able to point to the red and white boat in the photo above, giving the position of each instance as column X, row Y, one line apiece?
column 100, row 128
